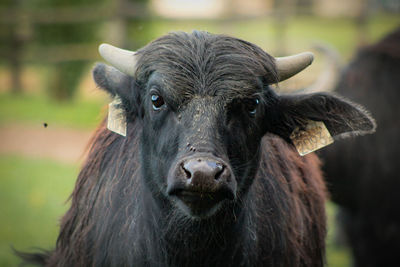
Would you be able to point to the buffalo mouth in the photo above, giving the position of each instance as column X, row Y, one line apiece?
column 193, row 196
column 201, row 203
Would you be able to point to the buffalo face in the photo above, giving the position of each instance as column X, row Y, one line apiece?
column 199, row 148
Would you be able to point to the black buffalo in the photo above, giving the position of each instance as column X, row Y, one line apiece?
column 207, row 174
column 364, row 174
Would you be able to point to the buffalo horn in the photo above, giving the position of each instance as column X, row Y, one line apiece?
column 291, row 65
column 123, row 60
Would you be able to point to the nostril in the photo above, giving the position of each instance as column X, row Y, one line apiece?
column 187, row 173
column 219, row 170
column 203, row 170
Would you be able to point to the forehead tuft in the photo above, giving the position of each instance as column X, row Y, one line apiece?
column 206, row 64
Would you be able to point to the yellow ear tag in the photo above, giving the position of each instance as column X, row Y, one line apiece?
column 116, row 117
column 310, row 138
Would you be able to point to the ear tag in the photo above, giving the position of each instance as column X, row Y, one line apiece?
column 310, row 138
column 116, row 117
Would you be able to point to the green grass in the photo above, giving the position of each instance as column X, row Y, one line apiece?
column 33, row 196
column 337, row 255
column 36, row 109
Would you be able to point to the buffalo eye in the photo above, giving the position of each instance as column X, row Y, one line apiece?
column 251, row 106
column 157, row 101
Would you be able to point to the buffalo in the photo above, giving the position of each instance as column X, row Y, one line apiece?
column 201, row 168
column 364, row 174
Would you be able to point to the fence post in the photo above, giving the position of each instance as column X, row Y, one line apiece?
column 18, row 36
column 14, row 58
column 118, row 24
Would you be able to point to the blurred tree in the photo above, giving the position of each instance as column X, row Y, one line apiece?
column 139, row 27
column 304, row 6
column 131, row 25
column 65, row 34
column 129, row 19
column 282, row 11
column 13, row 35
column 361, row 21
column 67, row 73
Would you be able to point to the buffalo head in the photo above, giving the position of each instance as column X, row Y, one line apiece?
column 205, row 103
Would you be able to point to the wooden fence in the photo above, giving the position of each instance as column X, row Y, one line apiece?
column 22, row 21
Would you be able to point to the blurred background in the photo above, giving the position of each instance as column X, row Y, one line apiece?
column 49, row 105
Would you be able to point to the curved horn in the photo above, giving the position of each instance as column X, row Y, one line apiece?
column 123, row 60
column 291, row 65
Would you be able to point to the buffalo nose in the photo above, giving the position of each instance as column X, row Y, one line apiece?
column 203, row 170
column 202, row 175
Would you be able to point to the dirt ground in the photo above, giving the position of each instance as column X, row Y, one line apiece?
column 37, row 141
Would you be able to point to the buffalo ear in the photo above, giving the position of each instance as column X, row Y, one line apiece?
column 341, row 117
column 112, row 81
column 118, row 85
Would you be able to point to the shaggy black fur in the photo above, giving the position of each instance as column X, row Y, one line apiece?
column 364, row 174
column 121, row 213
